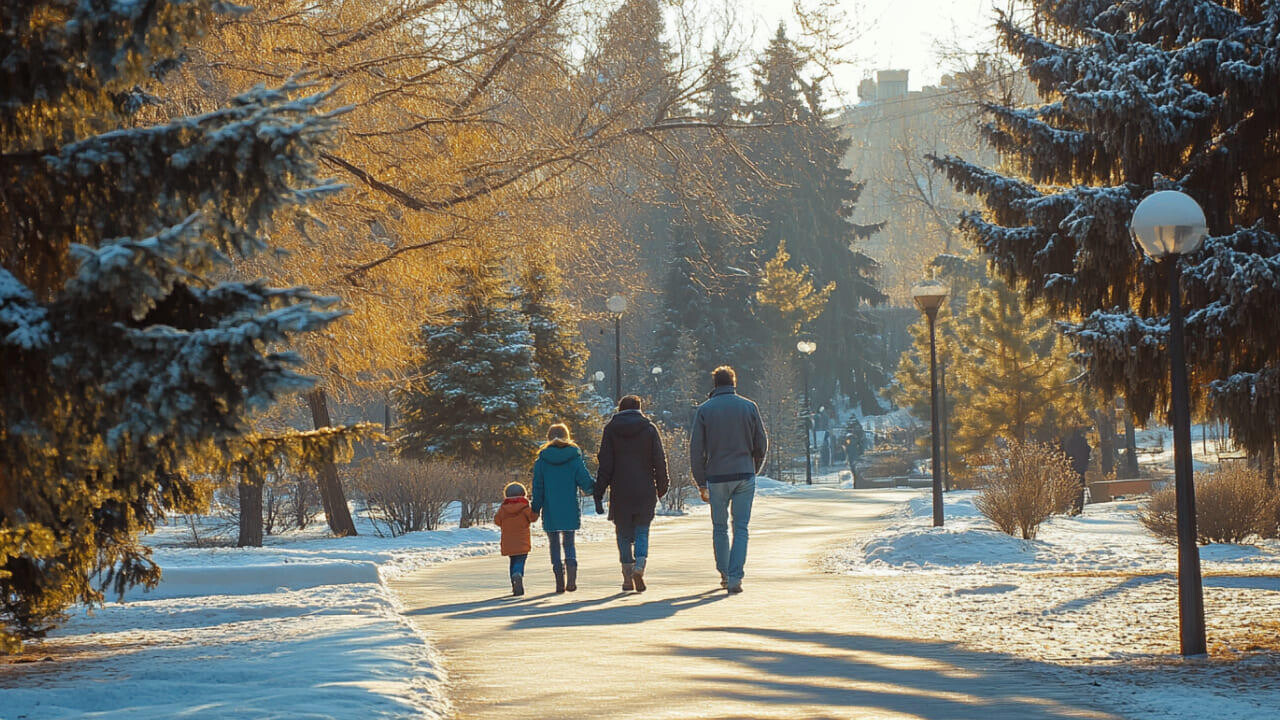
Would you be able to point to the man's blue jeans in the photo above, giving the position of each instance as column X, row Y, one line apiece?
column 734, row 499
column 554, row 540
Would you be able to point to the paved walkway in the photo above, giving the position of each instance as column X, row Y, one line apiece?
column 793, row 645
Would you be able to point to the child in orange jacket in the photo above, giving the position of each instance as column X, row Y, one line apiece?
column 515, row 517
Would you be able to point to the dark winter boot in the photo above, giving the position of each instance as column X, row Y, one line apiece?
column 628, row 583
column 637, row 574
column 724, row 581
column 572, row 568
column 559, row 580
column 517, row 585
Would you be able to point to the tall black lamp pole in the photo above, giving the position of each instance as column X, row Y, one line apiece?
column 929, row 296
column 806, row 348
column 1165, row 225
column 617, row 305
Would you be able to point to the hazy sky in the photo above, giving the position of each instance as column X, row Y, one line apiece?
column 893, row 34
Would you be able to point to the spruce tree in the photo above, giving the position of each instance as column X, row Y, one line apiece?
column 1139, row 96
column 123, row 353
column 559, row 354
column 710, row 261
column 474, row 396
column 807, row 201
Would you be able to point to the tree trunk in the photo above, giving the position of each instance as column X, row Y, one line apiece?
column 1130, row 467
column 946, row 430
column 1106, row 422
column 331, row 495
column 250, row 514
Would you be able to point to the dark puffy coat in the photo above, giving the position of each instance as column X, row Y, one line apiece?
column 634, row 465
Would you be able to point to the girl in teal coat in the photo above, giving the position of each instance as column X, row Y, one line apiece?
column 558, row 474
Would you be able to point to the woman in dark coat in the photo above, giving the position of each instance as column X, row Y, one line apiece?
column 558, row 474
column 633, row 468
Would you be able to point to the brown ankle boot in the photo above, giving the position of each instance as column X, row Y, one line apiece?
column 627, row 581
column 572, row 569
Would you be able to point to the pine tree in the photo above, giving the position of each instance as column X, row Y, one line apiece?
column 123, row 354
column 808, row 201
column 1138, row 96
column 788, row 300
column 559, row 354
column 475, row 396
column 1012, row 376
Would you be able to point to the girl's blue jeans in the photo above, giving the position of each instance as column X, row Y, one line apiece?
column 556, row 541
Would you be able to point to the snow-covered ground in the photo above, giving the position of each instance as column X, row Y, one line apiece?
column 301, row 628
column 1094, row 595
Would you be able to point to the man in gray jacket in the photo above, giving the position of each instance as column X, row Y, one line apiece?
column 727, row 447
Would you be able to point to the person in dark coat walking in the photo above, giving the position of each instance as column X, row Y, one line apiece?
column 558, row 474
column 633, row 468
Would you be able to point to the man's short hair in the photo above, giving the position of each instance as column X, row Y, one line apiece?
column 724, row 375
column 630, row 402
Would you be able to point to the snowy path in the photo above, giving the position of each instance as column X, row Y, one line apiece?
column 793, row 645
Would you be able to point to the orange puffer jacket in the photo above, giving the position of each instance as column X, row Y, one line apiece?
column 514, row 517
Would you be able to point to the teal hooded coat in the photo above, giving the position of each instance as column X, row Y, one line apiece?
column 558, row 474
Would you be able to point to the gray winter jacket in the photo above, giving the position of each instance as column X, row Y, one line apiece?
column 727, row 440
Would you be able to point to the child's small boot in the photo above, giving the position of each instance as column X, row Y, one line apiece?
column 628, row 583
column 572, row 583
column 637, row 573
column 559, row 579
column 517, row 585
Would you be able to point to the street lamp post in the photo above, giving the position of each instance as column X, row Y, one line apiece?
column 656, row 374
column 929, row 296
column 806, row 348
column 1165, row 225
column 617, row 305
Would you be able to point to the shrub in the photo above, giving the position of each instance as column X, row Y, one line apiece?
column 676, row 440
column 407, row 495
column 478, row 489
column 1233, row 505
column 1025, row 483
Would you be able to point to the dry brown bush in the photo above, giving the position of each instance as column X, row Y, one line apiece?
column 479, row 489
column 406, row 495
column 1025, row 483
column 1233, row 505
column 675, row 439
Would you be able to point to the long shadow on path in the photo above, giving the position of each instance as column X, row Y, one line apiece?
column 926, row 679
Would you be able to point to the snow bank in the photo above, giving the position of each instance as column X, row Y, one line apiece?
column 946, row 547
column 301, row 628
column 1106, row 538
column 181, row 582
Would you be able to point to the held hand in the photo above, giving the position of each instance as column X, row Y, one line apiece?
column 535, row 516
column 706, row 496
column 599, row 507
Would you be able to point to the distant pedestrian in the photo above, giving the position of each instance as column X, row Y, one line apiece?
column 515, row 517
column 633, row 468
column 855, row 445
column 727, row 447
column 558, row 474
